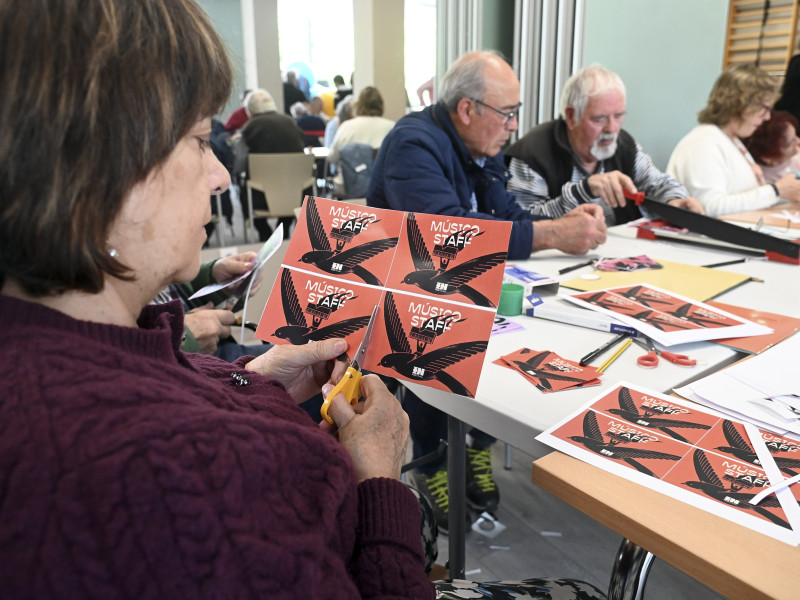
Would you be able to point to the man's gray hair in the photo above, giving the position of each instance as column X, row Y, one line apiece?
column 466, row 78
column 590, row 81
column 298, row 109
column 345, row 109
column 259, row 101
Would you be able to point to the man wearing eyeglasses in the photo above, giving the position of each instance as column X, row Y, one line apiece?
column 585, row 157
column 447, row 160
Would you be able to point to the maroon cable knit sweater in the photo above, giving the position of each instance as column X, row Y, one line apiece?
column 131, row 470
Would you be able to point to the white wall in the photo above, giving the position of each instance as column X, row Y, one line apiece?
column 668, row 53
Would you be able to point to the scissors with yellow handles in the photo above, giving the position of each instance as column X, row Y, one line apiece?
column 350, row 383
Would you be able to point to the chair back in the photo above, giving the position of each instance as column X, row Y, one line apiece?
column 355, row 161
column 282, row 177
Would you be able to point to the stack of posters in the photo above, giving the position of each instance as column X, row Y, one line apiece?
column 667, row 317
column 435, row 279
column 693, row 454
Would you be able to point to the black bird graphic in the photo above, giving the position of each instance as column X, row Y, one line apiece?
column 743, row 451
column 298, row 331
column 417, row 366
column 593, row 440
column 340, row 261
column 604, row 301
column 697, row 318
column 543, row 374
column 653, row 318
column 630, row 412
column 443, row 282
column 644, row 300
column 712, row 486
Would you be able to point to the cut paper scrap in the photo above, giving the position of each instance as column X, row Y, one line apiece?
column 505, row 325
column 698, row 283
column 548, row 371
column 626, row 265
column 667, row 317
column 264, row 254
column 782, row 327
column 710, row 464
column 785, row 497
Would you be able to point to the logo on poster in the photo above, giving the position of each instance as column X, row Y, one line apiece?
column 326, row 294
column 351, row 219
column 454, row 235
column 658, row 405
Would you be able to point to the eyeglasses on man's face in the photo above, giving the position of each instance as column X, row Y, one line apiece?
column 506, row 115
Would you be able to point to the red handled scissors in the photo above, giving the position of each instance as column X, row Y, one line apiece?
column 350, row 383
column 650, row 359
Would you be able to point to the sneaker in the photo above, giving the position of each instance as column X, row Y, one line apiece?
column 434, row 488
column 482, row 492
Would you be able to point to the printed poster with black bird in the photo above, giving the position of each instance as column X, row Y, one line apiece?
column 347, row 241
column 461, row 260
column 437, row 304
column 688, row 452
column 667, row 317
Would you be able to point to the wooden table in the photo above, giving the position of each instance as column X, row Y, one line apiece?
column 729, row 558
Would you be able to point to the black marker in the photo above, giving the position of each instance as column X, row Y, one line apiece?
column 598, row 351
column 573, row 267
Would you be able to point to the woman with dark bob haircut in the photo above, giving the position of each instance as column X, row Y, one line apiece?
column 713, row 162
column 129, row 469
column 774, row 146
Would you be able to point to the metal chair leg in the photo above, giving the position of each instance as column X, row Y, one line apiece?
column 630, row 572
column 249, row 215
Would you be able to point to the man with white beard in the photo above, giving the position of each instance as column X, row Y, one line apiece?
column 586, row 157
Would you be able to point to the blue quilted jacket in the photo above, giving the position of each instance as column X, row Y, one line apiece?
column 423, row 166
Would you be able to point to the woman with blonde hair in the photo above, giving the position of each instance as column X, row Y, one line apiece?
column 713, row 162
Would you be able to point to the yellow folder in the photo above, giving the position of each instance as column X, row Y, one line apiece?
column 698, row 283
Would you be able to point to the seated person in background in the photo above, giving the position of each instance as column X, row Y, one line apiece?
column 711, row 160
column 207, row 330
column 342, row 90
column 131, row 469
column 367, row 127
column 344, row 111
column 316, row 108
column 238, row 117
column 774, row 146
column 292, row 92
column 268, row 131
column 446, row 159
column 586, row 156
column 312, row 126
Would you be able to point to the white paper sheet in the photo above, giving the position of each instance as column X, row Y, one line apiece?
column 741, row 327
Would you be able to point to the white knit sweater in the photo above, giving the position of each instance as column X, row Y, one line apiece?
column 716, row 172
